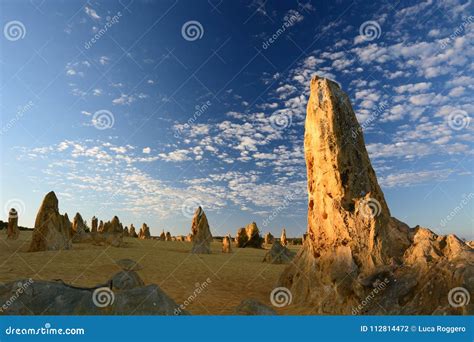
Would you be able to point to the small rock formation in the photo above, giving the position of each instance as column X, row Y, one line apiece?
column 252, row 307
column 253, row 236
column 94, row 224
column 241, row 238
column 101, row 227
column 181, row 238
column 144, row 232
column 125, row 232
column 283, row 240
column 112, row 233
column 12, row 229
column 132, row 231
column 268, row 238
column 163, row 236
column 79, row 228
column 52, row 230
column 226, row 244
column 353, row 244
column 278, row 254
column 202, row 236
column 189, row 237
column 168, row 236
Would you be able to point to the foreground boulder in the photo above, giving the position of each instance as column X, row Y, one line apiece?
column 202, row 236
column 252, row 307
column 353, row 244
column 278, row 254
column 52, row 230
column 12, row 229
column 38, row 297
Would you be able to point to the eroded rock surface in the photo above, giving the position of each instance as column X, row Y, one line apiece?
column 202, row 236
column 353, row 244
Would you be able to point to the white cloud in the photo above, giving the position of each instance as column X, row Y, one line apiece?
column 146, row 150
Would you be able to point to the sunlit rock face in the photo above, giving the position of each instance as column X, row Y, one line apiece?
column 201, row 234
column 352, row 242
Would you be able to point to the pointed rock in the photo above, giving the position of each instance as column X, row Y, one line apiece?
column 79, row 228
column 202, row 236
column 52, row 230
column 144, row 232
column 269, row 238
column 94, row 224
column 350, row 231
column 132, row 231
column 283, row 240
column 226, row 244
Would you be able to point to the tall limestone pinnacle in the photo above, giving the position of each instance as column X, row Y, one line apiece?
column 352, row 241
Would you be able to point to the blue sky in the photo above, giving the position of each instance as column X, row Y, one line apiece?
column 146, row 109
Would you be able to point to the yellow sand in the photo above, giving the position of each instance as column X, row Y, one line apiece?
column 233, row 277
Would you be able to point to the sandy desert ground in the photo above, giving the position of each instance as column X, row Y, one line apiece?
column 169, row 264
